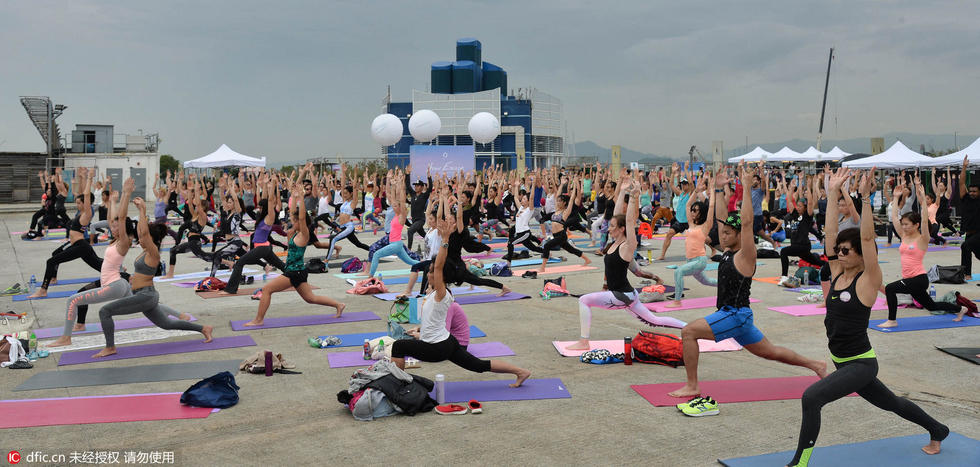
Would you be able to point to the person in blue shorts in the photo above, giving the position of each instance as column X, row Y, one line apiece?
column 734, row 318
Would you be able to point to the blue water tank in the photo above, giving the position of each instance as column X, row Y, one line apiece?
column 469, row 49
column 466, row 77
column 494, row 77
column 442, row 77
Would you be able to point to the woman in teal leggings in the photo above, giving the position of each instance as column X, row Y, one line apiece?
column 697, row 260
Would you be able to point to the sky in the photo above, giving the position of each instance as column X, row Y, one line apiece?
column 292, row 80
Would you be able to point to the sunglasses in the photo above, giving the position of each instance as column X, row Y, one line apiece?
column 842, row 250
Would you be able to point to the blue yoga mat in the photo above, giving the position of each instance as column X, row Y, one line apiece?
column 54, row 294
column 958, row 450
column 919, row 323
column 357, row 339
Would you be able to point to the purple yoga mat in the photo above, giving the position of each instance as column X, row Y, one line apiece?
column 97, row 327
column 307, row 320
column 498, row 390
column 489, row 298
column 356, row 358
column 162, row 348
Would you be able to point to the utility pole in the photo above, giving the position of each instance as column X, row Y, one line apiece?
column 823, row 108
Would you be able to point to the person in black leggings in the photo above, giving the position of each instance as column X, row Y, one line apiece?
column 857, row 278
column 800, row 239
column 435, row 343
column 559, row 238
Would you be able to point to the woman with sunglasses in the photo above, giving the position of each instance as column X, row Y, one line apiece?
column 697, row 261
column 857, row 277
column 915, row 244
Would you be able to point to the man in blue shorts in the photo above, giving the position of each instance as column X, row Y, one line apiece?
column 734, row 317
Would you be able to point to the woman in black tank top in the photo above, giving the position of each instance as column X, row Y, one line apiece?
column 621, row 294
column 559, row 238
column 857, row 278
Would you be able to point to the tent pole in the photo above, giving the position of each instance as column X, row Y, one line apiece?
column 823, row 108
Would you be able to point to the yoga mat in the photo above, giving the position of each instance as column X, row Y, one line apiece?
column 712, row 266
column 688, row 304
column 305, row 320
column 363, row 274
column 490, row 298
column 192, row 284
column 357, row 339
column 356, row 358
column 202, row 275
column 90, row 328
column 97, row 409
column 958, row 450
column 805, row 289
column 241, row 292
column 617, row 346
column 673, row 259
column 127, row 375
column 813, row 309
column 83, row 280
column 390, row 296
column 974, row 277
column 557, row 269
column 731, row 390
column 920, row 323
column 966, row 353
column 51, row 294
column 162, row 348
column 768, row 280
column 498, row 390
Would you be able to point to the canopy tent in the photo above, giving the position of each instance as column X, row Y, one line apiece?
column 972, row 152
column 754, row 155
column 786, row 155
column 811, row 155
column 225, row 157
column 835, row 154
column 898, row 156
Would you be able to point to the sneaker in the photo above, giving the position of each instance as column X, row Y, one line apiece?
column 811, row 298
column 782, row 281
column 700, row 407
column 475, row 407
column 451, row 409
column 684, row 405
column 12, row 290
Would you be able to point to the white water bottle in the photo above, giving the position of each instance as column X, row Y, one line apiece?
column 932, row 292
column 440, row 389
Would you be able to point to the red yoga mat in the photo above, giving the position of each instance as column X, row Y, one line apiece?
column 97, row 409
column 731, row 390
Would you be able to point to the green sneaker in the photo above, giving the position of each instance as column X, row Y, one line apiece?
column 12, row 290
column 684, row 405
column 700, row 407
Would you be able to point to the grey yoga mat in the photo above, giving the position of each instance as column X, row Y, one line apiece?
column 126, row 375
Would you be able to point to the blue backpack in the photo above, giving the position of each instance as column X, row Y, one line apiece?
column 501, row 269
column 218, row 391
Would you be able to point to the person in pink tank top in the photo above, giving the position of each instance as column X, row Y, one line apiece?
column 698, row 214
column 395, row 246
column 915, row 244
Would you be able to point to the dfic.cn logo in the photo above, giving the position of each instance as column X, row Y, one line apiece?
column 13, row 457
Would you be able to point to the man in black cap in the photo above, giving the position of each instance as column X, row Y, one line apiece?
column 419, row 199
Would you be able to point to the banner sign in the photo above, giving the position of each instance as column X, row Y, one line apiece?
column 438, row 160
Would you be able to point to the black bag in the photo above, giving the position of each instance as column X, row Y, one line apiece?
column 766, row 253
column 951, row 275
column 316, row 266
column 218, row 391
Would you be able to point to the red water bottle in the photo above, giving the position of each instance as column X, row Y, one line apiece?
column 268, row 363
column 628, row 350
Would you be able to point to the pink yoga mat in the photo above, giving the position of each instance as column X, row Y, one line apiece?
column 731, row 390
column 616, row 346
column 356, row 358
column 687, row 304
column 98, row 409
column 812, row 309
column 90, row 328
column 557, row 269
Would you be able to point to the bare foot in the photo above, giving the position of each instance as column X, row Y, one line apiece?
column 932, row 448
column 581, row 344
column 223, row 292
column 660, row 258
column 503, row 291
column 207, row 331
column 60, row 342
column 105, row 352
column 686, row 391
column 888, row 324
column 673, row 304
column 959, row 316
column 337, row 248
column 821, row 369
column 170, row 273
column 587, row 260
column 78, row 327
column 268, row 268
column 541, row 270
column 184, row 317
column 522, row 376
column 41, row 293
column 253, row 323
column 340, row 310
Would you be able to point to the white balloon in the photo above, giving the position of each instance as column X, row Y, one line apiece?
column 424, row 125
column 484, row 127
column 386, row 129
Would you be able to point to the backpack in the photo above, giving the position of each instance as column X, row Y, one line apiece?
column 661, row 349
column 210, row 284
column 808, row 275
column 352, row 265
column 316, row 266
column 501, row 269
column 218, row 391
column 399, row 312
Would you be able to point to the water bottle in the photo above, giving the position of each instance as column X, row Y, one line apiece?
column 380, row 277
column 440, row 389
column 628, row 350
column 33, row 343
column 932, row 292
column 381, row 347
column 264, row 276
column 367, row 349
column 33, row 283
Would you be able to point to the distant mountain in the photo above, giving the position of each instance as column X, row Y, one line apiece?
column 589, row 148
column 915, row 141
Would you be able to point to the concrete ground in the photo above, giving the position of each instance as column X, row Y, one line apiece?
column 296, row 420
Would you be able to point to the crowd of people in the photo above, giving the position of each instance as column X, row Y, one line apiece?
column 726, row 216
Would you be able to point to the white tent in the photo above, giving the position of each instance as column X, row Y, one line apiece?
column 811, row 155
column 225, row 157
column 898, row 156
column 754, row 155
column 972, row 152
column 835, row 154
column 786, row 155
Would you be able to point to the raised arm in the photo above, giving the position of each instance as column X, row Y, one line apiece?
column 923, row 242
column 745, row 258
column 963, row 178
column 143, row 231
column 836, row 181
column 632, row 213
column 870, row 281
